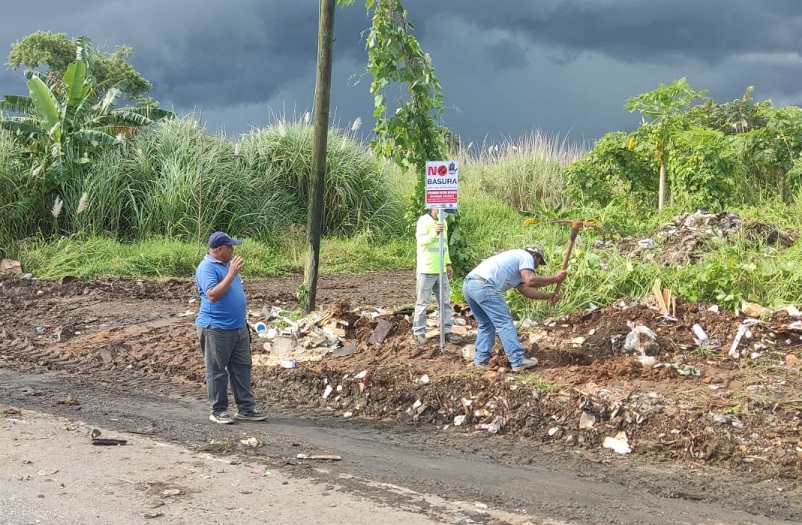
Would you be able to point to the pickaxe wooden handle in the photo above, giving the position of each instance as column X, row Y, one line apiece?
column 575, row 227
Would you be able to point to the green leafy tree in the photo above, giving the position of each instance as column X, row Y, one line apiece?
column 410, row 134
column 663, row 109
column 408, row 131
column 52, row 53
column 65, row 121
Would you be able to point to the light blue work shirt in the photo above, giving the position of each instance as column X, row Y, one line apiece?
column 503, row 270
column 228, row 313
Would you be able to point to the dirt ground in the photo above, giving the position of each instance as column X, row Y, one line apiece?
column 674, row 402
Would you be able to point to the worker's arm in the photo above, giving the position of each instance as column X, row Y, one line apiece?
column 533, row 280
column 218, row 291
column 534, row 293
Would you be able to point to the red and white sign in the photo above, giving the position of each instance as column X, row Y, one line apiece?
column 442, row 184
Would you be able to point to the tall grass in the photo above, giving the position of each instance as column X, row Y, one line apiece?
column 177, row 181
column 12, row 186
column 526, row 174
column 150, row 201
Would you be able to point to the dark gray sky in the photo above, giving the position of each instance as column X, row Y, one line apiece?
column 507, row 67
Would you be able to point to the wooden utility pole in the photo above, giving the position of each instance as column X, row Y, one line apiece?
column 321, row 129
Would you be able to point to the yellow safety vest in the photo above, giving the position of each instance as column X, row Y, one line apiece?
column 428, row 242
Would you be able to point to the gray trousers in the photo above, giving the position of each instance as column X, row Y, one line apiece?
column 227, row 356
column 427, row 284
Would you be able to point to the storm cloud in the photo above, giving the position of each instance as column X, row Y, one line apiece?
column 509, row 67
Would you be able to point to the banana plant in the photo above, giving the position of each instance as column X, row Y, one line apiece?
column 63, row 124
column 63, row 121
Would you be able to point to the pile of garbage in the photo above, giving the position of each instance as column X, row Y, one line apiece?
column 289, row 341
column 689, row 236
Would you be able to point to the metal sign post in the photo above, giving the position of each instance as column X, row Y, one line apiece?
column 443, row 275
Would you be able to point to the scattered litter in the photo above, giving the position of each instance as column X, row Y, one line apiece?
column 97, row 440
column 683, row 370
column 380, row 332
column 10, row 266
column 586, row 420
column 754, row 309
column 699, row 332
column 320, row 457
column 666, row 302
column 725, row 419
column 703, row 341
column 494, row 427
column 792, row 311
column 616, row 445
column 289, row 363
column 642, row 340
column 250, row 442
column 742, row 330
column 425, row 379
column 646, row 244
column 69, row 399
column 349, row 349
column 459, row 420
column 327, row 391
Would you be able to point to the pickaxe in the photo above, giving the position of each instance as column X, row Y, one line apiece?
column 575, row 227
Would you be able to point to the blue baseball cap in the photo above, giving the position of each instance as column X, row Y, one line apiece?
column 218, row 239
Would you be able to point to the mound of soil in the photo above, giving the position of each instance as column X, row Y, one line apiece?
column 626, row 376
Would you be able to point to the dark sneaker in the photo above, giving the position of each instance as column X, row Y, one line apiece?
column 250, row 416
column 421, row 339
column 221, row 417
column 453, row 338
column 526, row 364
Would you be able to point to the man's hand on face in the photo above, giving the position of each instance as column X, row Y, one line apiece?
column 235, row 265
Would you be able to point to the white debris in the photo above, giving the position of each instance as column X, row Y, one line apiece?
column 586, row 420
column 617, row 445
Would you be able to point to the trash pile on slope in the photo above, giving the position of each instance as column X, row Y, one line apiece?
column 690, row 235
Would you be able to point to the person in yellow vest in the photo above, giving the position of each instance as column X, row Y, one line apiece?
column 427, row 234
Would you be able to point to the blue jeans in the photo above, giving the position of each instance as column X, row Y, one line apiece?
column 227, row 356
column 493, row 315
column 425, row 285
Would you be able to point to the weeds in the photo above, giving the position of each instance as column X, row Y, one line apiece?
column 534, row 382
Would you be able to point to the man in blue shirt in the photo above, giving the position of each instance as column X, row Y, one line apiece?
column 225, row 339
column 484, row 292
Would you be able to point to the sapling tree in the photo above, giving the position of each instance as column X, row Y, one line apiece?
column 663, row 108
